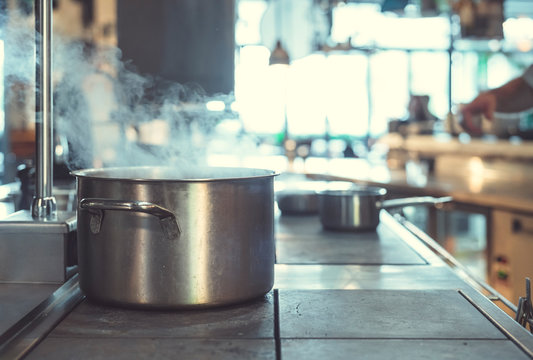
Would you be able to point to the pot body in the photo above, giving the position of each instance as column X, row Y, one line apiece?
column 298, row 202
column 350, row 210
column 188, row 240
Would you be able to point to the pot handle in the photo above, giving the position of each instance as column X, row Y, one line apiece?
column 167, row 219
column 417, row 200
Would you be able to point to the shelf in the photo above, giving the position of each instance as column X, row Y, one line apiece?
column 459, row 45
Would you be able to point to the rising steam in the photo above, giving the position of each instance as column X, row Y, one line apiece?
column 103, row 110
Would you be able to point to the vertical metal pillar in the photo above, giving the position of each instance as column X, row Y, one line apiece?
column 44, row 203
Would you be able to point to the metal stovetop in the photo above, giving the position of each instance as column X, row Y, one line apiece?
column 389, row 296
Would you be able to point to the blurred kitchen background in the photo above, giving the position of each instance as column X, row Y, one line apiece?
column 292, row 85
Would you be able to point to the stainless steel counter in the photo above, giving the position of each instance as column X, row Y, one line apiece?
column 301, row 240
column 497, row 192
column 16, row 300
column 370, row 295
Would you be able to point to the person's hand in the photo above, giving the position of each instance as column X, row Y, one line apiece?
column 483, row 104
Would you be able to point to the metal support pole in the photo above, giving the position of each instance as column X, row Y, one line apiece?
column 44, row 203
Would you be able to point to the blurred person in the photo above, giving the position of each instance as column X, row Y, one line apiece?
column 512, row 97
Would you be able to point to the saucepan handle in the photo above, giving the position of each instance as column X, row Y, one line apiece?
column 96, row 207
column 417, row 200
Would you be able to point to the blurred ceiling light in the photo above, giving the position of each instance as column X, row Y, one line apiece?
column 279, row 55
column 215, row 105
column 524, row 45
column 494, row 45
column 59, row 150
column 290, row 145
column 520, row 32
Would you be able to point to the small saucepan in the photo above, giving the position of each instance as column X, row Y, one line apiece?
column 358, row 208
column 299, row 197
column 298, row 202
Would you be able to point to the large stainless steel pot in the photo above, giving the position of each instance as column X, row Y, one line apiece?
column 153, row 237
column 358, row 208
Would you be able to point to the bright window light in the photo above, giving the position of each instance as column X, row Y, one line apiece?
column 215, row 105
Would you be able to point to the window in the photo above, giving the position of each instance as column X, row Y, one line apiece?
column 374, row 62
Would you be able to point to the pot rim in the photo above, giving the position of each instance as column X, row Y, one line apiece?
column 165, row 172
